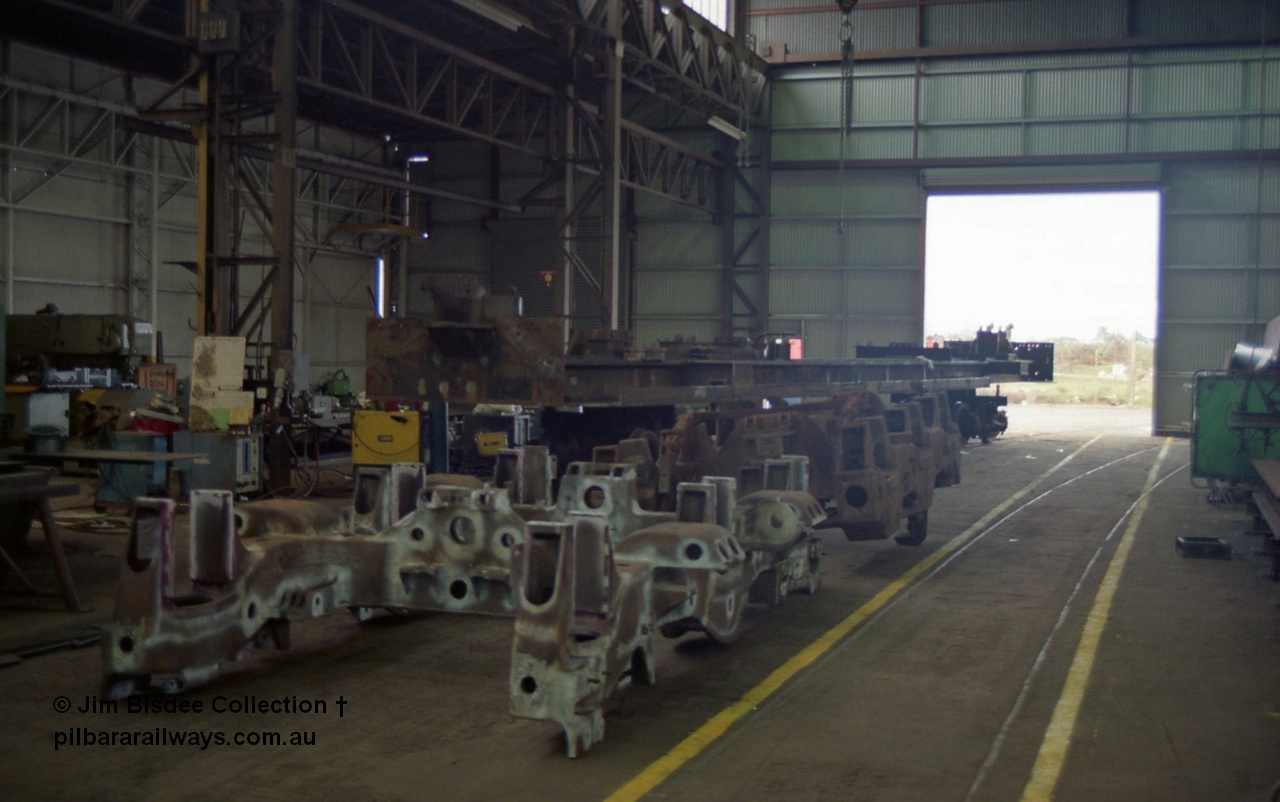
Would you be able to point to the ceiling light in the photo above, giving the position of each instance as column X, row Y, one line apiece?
column 495, row 13
column 727, row 128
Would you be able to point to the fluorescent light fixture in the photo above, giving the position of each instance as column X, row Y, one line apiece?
column 418, row 158
column 380, row 284
column 727, row 128
column 495, row 13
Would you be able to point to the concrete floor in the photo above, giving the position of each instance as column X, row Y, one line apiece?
column 945, row 693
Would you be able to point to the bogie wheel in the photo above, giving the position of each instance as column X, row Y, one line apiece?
column 917, row 530
column 641, row 671
column 673, row 630
column 651, row 437
column 813, row 583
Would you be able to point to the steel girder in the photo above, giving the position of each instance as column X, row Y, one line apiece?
column 746, row 233
column 364, row 57
column 360, row 58
column 353, row 53
column 669, row 50
column 682, row 58
column 664, row 167
column 370, row 72
column 333, row 192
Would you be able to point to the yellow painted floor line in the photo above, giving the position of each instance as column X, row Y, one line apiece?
column 1057, row 738
column 719, row 724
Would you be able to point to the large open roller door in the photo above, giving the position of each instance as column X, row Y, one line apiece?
column 1169, row 410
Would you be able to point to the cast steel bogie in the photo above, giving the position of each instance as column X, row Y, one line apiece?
column 943, row 438
column 777, row 529
column 873, row 465
column 912, row 454
column 595, row 575
column 570, row 656
column 868, row 505
column 595, row 585
column 254, row 568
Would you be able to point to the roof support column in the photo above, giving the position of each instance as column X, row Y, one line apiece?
column 210, row 202
column 284, row 186
column 9, row 113
column 562, row 131
column 764, row 247
column 728, row 258
column 611, row 110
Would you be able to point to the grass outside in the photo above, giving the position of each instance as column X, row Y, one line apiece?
column 1082, row 388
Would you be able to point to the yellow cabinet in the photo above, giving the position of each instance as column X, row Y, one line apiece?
column 384, row 438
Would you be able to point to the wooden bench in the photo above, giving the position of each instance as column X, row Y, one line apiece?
column 27, row 493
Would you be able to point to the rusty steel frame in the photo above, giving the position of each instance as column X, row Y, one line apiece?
column 873, row 465
column 485, row 354
column 332, row 192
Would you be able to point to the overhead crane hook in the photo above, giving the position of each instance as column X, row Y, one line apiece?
column 846, row 93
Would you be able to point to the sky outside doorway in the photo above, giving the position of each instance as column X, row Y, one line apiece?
column 1052, row 264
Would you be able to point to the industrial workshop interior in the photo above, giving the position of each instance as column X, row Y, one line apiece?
column 640, row 399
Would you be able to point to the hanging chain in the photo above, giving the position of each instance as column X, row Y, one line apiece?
column 744, row 113
column 846, row 98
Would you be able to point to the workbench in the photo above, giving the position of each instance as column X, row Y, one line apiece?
column 105, row 455
column 23, row 495
column 1267, row 499
column 108, row 476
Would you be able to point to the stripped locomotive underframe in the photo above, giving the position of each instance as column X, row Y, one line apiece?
column 660, row 535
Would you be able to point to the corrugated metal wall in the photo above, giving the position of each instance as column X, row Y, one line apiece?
column 330, row 317
column 715, row 11
column 524, row 247
column 1220, row 272
column 1031, row 106
column 460, row 246
column 1194, row 118
column 78, row 233
column 807, row 27
column 677, row 273
column 70, row 242
column 847, row 258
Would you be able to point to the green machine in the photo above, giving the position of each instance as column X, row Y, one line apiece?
column 1236, row 419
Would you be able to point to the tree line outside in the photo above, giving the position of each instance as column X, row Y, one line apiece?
column 1112, row 369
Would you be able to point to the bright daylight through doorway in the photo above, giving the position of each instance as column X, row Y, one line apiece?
column 1078, row 269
